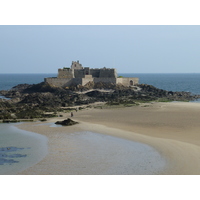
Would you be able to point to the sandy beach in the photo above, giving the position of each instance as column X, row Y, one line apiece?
column 170, row 129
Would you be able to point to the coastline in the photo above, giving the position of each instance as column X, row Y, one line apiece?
column 170, row 128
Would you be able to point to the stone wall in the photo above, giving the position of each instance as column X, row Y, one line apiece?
column 87, row 79
column 79, row 73
column 108, row 73
column 95, row 72
column 86, row 71
column 127, row 81
column 105, row 80
column 77, row 81
column 66, row 82
column 63, row 82
column 59, row 82
column 65, row 73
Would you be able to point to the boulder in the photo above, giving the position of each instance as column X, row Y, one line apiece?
column 66, row 122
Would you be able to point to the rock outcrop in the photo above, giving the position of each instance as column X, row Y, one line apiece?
column 67, row 122
column 32, row 101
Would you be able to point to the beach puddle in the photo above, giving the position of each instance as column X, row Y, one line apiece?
column 19, row 149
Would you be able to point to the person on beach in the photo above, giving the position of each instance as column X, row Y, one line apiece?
column 72, row 114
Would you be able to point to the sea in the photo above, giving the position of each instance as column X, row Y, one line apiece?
column 21, row 149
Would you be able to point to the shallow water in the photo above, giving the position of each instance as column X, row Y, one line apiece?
column 103, row 154
column 19, row 149
column 94, row 153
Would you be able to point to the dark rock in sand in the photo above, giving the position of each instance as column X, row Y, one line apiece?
column 67, row 122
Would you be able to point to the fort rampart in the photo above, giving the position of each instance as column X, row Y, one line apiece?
column 78, row 75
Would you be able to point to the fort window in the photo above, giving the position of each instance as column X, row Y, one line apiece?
column 131, row 82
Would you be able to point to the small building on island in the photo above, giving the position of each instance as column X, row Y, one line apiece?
column 79, row 75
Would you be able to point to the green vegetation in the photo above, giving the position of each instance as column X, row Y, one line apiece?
column 144, row 101
column 164, row 100
column 29, row 113
column 121, row 103
column 130, row 105
column 43, row 120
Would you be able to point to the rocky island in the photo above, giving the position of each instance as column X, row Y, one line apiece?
column 79, row 87
column 44, row 100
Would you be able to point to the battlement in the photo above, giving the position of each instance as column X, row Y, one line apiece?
column 78, row 71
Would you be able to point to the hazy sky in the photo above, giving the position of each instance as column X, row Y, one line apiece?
column 129, row 49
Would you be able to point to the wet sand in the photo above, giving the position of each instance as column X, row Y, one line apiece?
column 172, row 129
column 77, row 151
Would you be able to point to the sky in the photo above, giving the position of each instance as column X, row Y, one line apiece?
column 128, row 48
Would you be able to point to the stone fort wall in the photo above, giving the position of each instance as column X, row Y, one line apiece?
column 105, row 80
column 127, row 81
column 65, row 73
column 66, row 82
column 59, row 82
column 88, row 78
column 78, row 75
column 63, row 82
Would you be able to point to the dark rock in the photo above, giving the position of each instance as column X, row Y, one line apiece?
column 10, row 121
column 33, row 101
column 20, row 87
column 67, row 122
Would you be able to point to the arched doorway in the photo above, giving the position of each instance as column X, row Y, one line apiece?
column 131, row 82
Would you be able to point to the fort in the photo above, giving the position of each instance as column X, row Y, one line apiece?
column 79, row 75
